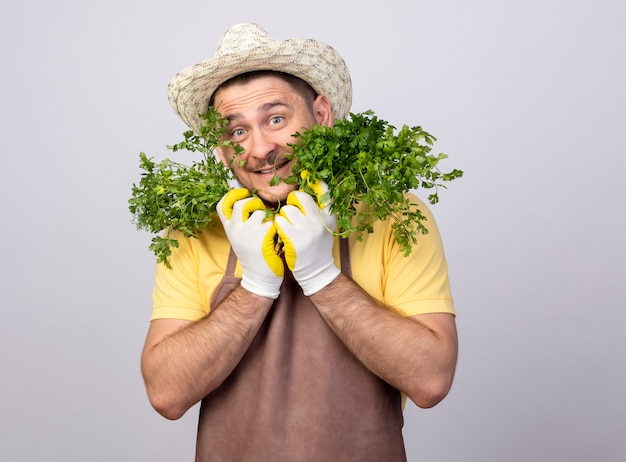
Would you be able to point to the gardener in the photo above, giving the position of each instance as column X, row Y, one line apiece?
column 309, row 360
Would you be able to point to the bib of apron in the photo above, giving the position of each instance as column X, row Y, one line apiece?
column 298, row 393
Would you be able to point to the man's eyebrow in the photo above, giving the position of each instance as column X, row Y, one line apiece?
column 263, row 108
column 271, row 105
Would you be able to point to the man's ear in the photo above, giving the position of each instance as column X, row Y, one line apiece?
column 322, row 111
column 222, row 156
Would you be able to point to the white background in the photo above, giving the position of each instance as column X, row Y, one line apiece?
column 527, row 97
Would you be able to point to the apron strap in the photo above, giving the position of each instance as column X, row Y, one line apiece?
column 344, row 254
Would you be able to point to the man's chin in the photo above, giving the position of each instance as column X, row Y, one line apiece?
column 272, row 205
column 273, row 202
column 275, row 197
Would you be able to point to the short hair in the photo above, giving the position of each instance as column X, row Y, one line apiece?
column 299, row 85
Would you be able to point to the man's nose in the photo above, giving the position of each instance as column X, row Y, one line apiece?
column 261, row 146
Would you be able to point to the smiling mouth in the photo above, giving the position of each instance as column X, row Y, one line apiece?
column 273, row 169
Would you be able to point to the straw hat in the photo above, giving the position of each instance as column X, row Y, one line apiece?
column 247, row 47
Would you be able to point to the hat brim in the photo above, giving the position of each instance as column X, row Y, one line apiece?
column 315, row 62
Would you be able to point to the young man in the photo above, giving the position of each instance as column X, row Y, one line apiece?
column 307, row 358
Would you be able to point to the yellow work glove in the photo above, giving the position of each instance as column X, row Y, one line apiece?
column 306, row 230
column 251, row 236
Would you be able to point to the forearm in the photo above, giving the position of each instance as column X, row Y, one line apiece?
column 185, row 365
column 416, row 358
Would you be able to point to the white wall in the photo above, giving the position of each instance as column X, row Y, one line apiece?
column 527, row 97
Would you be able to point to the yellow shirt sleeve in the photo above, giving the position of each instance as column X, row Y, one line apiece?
column 197, row 266
column 411, row 285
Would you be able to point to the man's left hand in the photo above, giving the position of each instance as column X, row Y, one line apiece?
column 307, row 232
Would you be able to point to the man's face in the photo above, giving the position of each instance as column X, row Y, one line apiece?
column 262, row 117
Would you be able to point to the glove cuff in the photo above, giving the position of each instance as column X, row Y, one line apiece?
column 262, row 290
column 315, row 281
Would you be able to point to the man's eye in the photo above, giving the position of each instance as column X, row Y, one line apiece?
column 276, row 120
column 237, row 132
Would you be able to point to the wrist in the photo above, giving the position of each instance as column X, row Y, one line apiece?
column 246, row 305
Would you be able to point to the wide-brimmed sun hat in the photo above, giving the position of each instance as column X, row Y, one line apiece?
column 247, row 47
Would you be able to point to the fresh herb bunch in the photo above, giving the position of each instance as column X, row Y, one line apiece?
column 174, row 196
column 363, row 160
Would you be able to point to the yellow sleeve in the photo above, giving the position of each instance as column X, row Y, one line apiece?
column 177, row 293
column 411, row 285
column 419, row 283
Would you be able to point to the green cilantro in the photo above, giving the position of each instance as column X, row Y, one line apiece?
column 362, row 159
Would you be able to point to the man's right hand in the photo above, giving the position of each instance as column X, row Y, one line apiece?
column 252, row 237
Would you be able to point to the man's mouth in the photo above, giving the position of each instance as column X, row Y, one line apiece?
column 273, row 169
